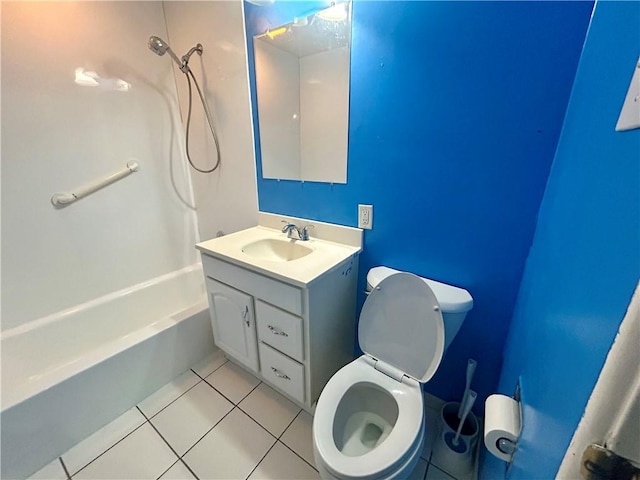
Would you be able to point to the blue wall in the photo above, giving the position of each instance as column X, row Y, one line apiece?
column 455, row 114
column 585, row 258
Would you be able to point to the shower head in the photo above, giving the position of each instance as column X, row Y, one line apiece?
column 160, row 47
column 157, row 46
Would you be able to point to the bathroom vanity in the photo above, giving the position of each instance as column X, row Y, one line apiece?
column 283, row 308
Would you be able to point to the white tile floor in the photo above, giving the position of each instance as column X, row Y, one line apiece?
column 213, row 421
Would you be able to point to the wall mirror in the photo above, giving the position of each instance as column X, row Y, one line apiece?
column 302, row 83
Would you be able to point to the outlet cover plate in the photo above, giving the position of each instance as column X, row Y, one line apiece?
column 630, row 114
column 365, row 216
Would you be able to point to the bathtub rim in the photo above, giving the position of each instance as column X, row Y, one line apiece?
column 95, row 302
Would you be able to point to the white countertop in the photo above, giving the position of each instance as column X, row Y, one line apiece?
column 326, row 254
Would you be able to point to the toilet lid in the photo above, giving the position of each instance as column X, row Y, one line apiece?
column 401, row 325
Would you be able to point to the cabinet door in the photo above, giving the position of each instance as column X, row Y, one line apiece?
column 232, row 318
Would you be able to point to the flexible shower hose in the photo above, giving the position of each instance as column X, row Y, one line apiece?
column 188, row 74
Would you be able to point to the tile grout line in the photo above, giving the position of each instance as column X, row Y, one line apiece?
column 169, row 445
column 235, row 405
column 440, row 470
column 263, row 457
column 296, row 453
column 172, row 465
column 260, row 425
column 287, row 427
column 212, row 371
column 252, row 419
column 278, row 438
column 228, row 399
column 202, row 379
column 64, row 467
column 181, row 460
column 426, row 471
column 175, row 399
column 147, row 419
column 265, row 428
column 207, row 432
column 105, row 451
column 428, row 460
column 266, row 453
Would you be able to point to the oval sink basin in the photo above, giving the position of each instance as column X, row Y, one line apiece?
column 276, row 250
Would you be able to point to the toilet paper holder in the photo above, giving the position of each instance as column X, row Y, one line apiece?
column 503, row 424
column 506, row 446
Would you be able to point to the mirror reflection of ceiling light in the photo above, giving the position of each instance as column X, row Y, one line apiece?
column 335, row 13
column 278, row 31
column 88, row 78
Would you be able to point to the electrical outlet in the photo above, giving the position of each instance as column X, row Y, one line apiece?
column 365, row 216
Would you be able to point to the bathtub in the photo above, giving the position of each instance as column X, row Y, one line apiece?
column 67, row 375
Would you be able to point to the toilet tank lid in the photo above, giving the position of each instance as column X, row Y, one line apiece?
column 451, row 299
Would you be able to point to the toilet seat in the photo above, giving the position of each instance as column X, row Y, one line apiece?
column 384, row 458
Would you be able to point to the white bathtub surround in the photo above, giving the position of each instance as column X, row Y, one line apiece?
column 81, row 98
column 227, row 199
column 68, row 375
column 59, row 134
column 261, row 436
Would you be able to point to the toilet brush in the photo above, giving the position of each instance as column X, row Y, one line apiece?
column 453, row 441
column 471, row 369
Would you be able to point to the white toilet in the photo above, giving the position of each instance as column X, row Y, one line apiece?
column 369, row 419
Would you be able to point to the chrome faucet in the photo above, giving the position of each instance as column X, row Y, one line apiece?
column 294, row 232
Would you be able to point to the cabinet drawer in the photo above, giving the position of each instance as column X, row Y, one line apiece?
column 280, row 329
column 273, row 291
column 284, row 373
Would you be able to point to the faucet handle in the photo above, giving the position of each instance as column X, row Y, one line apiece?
column 304, row 233
column 288, row 226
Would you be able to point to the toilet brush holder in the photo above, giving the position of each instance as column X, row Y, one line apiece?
column 456, row 459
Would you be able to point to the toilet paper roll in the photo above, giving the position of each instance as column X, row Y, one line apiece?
column 502, row 425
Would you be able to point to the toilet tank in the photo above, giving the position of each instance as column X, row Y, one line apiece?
column 454, row 302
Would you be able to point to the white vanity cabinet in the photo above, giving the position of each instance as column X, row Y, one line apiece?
column 293, row 337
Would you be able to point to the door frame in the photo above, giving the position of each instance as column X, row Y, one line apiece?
column 613, row 412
